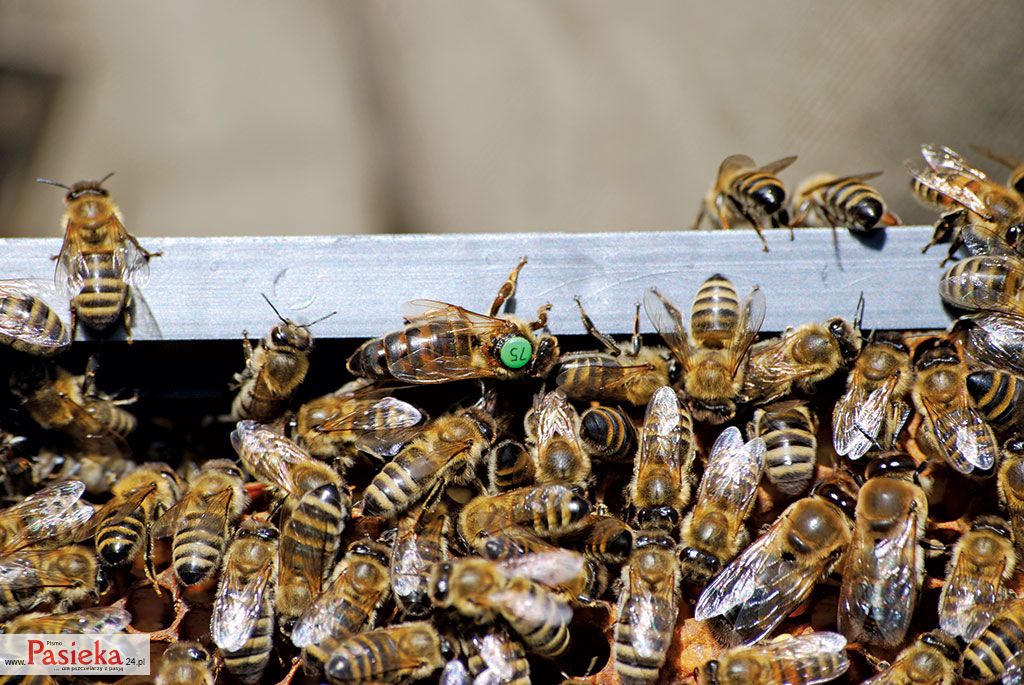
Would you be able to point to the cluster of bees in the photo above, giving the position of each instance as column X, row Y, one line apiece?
column 716, row 507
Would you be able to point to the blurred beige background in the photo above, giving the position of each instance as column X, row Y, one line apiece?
column 258, row 117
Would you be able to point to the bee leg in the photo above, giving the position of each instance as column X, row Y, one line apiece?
column 145, row 253
column 542, row 317
column 636, row 341
column 74, row 322
column 723, row 218
column 588, row 324
column 148, row 560
column 753, row 222
column 700, row 215
column 247, row 348
column 127, row 313
column 89, row 377
column 508, row 289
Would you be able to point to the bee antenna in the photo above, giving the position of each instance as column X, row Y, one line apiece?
column 322, row 318
column 870, row 439
column 284, row 320
column 858, row 317
column 104, row 179
column 52, row 183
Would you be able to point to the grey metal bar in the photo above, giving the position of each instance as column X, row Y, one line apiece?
column 209, row 288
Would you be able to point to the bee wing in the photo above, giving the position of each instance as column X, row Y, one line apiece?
column 962, row 425
column 322, row 618
column 859, row 415
column 878, row 580
column 215, row 503
column 969, row 599
column 770, row 370
column 237, row 608
column 943, row 159
column 22, row 572
column 268, row 455
column 69, row 274
column 758, row 589
column 733, row 470
column 457, row 318
column 943, row 183
column 550, row 568
column 427, row 366
column 1007, row 161
column 498, row 650
column 734, row 163
column 662, row 432
column 752, row 311
column 651, row 615
column 313, row 561
column 778, row 165
column 997, row 340
column 115, row 511
column 129, row 260
column 612, row 378
column 34, row 332
column 143, row 320
column 984, row 289
column 555, row 418
column 537, row 607
column 796, row 654
column 86, row 621
column 385, row 414
column 668, row 321
column 51, row 512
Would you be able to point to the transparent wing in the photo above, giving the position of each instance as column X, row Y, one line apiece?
column 499, row 652
column 983, row 286
column 997, row 341
column 650, row 613
column 268, row 455
column 536, row 606
column 942, row 183
column 555, row 418
column 325, row 617
column 733, row 164
column 550, row 568
column 49, row 513
column 778, row 165
column 69, row 274
column 969, row 600
column 668, row 321
column 427, row 366
column 733, row 471
column 943, row 159
column 963, row 428
column 799, row 654
column 129, row 260
column 298, row 555
column 143, row 320
column 115, row 511
column 879, row 581
column 613, row 376
column 86, row 621
column 215, row 504
column 752, row 311
column 859, row 415
column 237, row 608
column 22, row 571
column 772, row 369
column 385, row 414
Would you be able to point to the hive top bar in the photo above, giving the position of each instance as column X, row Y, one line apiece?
column 209, row 288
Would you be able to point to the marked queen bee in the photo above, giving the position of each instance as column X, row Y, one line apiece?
column 713, row 358
column 100, row 262
column 442, row 342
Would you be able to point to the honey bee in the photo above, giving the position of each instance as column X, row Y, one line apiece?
column 559, row 456
column 619, row 373
column 789, row 431
column 99, row 262
column 713, row 533
column 57, row 400
column 984, row 216
column 280, row 463
column 199, row 520
column 648, row 604
column 746, row 193
column 975, row 587
column 842, row 201
column 443, row 342
column 802, row 357
column 309, row 543
column 499, row 526
column 186, row 663
column 777, row 572
column 713, row 358
column 884, row 568
column 421, row 541
column 484, row 590
column 998, row 395
column 27, row 321
column 273, row 370
column 607, row 538
column 509, row 466
column 998, row 653
column 933, row 659
column 1010, row 485
column 951, row 427
column 123, row 524
column 872, row 410
column 359, row 585
column 397, row 654
column 43, row 518
column 447, row 450
column 660, row 488
column 242, row 623
column 607, row 433
column 82, row 622
column 989, row 287
column 786, row 660
column 57, row 577
column 496, row 657
column 98, row 471
column 356, row 417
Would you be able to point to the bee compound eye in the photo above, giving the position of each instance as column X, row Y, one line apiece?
column 516, row 352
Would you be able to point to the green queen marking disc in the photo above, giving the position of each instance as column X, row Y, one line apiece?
column 516, row 352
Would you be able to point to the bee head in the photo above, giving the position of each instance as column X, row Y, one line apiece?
column 30, row 377
column 82, row 188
